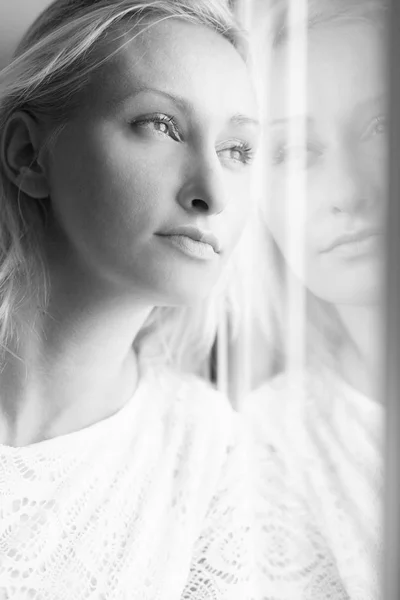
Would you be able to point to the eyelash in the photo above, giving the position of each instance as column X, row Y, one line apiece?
column 246, row 152
column 173, row 130
column 244, row 148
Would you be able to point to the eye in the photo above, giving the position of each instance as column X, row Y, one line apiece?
column 158, row 124
column 378, row 126
column 286, row 154
column 236, row 153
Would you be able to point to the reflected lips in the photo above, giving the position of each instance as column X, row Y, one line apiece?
column 354, row 244
column 194, row 242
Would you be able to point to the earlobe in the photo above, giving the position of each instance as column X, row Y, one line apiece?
column 21, row 146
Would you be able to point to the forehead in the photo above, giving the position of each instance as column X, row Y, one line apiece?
column 182, row 59
column 345, row 69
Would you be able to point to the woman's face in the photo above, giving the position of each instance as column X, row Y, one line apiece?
column 157, row 158
column 346, row 149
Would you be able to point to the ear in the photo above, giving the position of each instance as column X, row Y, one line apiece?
column 22, row 155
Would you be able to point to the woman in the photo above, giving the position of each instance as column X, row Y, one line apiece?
column 319, row 431
column 127, row 130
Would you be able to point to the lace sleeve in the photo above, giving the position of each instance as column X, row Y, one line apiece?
column 221, row 567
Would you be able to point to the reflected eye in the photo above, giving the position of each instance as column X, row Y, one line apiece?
column 236, row 153
column 158, row 124
column 378, row 126
column 285, row 154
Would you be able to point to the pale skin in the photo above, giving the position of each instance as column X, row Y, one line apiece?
column 115, row 180
column 346, row 158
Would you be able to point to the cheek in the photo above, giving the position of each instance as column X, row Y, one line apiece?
column 375, row 176
column 106, row 204
column 284, row 213
column 275, row 212
column 278, row 217
column 237, row 212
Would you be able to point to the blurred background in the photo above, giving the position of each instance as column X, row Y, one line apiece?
column 15, row 17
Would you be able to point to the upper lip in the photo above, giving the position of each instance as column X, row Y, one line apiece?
column 352, row 237
column 196, row 234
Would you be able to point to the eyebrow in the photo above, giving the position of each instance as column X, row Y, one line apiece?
column 178, row 100
column 367, row 104
column 238, row 119
column 285, row 120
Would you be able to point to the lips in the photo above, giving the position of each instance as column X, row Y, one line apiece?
column 354, row 237
column 195, row 234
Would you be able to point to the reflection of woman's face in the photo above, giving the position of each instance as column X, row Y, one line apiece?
column 346, row 147
column 156, row 155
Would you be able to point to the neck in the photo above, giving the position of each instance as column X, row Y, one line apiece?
column 361, row 357
column 75, row 365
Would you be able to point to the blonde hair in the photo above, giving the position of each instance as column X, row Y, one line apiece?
column 325, row 330
column 50, row 68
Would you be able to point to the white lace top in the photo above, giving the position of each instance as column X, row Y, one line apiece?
column 149, row 504
column 319, row 457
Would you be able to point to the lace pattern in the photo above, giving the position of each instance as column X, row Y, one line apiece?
column 122, row 509
column 318, row 490
column 223, row 565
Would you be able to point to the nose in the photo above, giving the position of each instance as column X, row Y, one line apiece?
column 348, row 186
column 203, row 190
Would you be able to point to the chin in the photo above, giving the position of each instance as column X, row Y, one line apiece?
column 355, row 295
column 355, row 286
column 187, row 297
column 367, row 297
column 186, row 287
column 183, row 293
